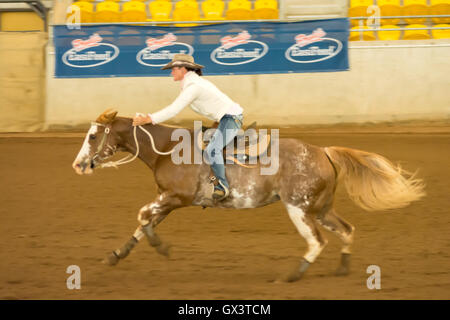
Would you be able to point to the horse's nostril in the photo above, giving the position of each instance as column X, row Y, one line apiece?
column 92, row 164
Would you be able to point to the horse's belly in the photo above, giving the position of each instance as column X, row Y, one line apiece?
column 239, row 198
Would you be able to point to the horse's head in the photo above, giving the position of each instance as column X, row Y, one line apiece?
column 100, row 143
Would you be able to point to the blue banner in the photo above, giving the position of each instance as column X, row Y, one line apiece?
column 228, row 48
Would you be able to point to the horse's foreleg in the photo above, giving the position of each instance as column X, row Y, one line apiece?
column 153, row 239
column 114, row 257
column 149, row 217
column 152, row 214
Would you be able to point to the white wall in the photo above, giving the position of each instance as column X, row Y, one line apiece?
column 384, row 84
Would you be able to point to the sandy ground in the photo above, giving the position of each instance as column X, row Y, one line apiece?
column 51, row 219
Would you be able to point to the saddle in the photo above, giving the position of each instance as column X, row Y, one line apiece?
column 247, row 144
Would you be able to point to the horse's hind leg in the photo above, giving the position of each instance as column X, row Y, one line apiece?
column 307, row 228
column 344, row 230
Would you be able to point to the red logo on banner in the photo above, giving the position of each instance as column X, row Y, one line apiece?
column 229, row 42
column 93, row 41
column 167, row 40
column 303, row 39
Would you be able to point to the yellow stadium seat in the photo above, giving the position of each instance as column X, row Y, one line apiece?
column 134, row 11
column 239, row 10
column 86, row 12
column 107, row 11
column 415, row 34
column 362, row 35
column 440, row 7
column 390, row 8
column 358, row 8
column 389, row 34
column 265, row 9
column 186, row 10
column 213, row 9
column 160, row 10
column 441, row 33
column 415, row 8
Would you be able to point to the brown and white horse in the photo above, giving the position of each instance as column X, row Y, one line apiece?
column 305, row 182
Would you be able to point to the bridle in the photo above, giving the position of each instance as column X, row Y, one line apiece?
column 102, row 142
column 128, row 158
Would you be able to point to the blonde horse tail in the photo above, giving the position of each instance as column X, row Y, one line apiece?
column 373, row 182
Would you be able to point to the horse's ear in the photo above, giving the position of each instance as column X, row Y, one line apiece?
column 111, row 115
column 107, row 116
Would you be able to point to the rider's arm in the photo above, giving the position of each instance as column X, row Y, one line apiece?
column 186, row 97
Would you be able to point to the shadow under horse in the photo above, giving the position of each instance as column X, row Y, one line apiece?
column 305, row 182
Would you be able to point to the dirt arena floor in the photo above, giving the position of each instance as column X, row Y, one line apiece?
column 52, row 218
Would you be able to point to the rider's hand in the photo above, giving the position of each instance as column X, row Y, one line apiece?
column 141, row 119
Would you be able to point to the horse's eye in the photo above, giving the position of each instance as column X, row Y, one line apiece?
column 92, row 136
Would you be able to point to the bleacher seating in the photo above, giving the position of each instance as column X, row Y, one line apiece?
column 362, row 35
column 217, row 10
column 440, row 7
column 389, row 34
column 175, row 10
column 186, row 10
column 107, row 11
column 134, row 11
column 415, row 34
column 358, row 8
column 402, row 10
column 160, row 10
column 415, row 8
column 390, row 8
column 86, row 10
column 441, row 33
column 213, row 9
column 265, row 9
column 239, row 10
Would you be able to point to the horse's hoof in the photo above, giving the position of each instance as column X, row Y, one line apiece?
column 344, row 268
column 342, row 271
column 163, row 249
column 111, row 259
column 293, row 276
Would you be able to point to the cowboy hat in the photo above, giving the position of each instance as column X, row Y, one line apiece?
column 182, row 60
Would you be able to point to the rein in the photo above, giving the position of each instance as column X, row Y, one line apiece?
column 128, row 158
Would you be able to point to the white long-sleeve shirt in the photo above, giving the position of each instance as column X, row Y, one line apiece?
column 202, row 96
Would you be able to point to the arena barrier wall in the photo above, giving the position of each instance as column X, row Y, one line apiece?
column 405, row 80
column 22, row 80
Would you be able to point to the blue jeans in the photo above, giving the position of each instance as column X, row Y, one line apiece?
column 226, row 131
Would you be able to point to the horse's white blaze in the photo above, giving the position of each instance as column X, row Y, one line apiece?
column 298, row 218
column 85, row 150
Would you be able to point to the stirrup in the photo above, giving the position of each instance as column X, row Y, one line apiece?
column 219, row 194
